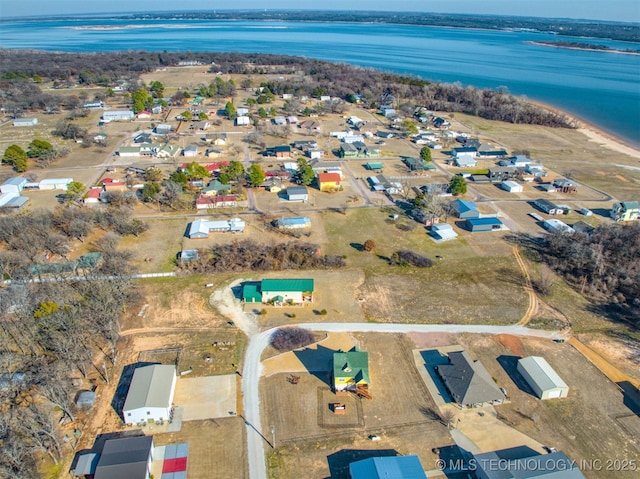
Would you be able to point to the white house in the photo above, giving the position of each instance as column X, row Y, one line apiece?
column 13, row 185
column 243, row 121
column 150, row 394
column 465, row 161
column 190, row 151
column 511, row 186
column 544, row 381
column 200, row 229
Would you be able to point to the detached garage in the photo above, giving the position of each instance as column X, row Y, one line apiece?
column 511, row 186
column 544, row 381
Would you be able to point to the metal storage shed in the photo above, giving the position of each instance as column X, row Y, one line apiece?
column 13, row 185
column 150, row 394
column 443, row 231
column 511, row 186
column 297, row 193
column 390, row 467
column 544, row 381
column 476, row 225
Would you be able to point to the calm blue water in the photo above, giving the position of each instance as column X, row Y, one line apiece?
column 602, row 88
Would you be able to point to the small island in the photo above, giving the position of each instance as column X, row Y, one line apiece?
column 584, row 46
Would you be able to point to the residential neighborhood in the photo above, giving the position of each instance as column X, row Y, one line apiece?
column 319, row 286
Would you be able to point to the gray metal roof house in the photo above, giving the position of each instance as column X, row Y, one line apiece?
column 126, row 458
column 544, row 381
column 468, row 381
column 524, row 463
column 150, row 395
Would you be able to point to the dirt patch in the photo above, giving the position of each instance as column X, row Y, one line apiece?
column 430, row 340
column 513, row 343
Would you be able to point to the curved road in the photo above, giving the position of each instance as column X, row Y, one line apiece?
column 252, row 370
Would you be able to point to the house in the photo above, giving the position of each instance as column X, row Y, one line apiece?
column 221, row 201
column 329, row 181
column 519, row 161
column 293, row 291
column 582, row 227
column 418, row 164
column 350, row 371
column 297, row 193
column 292, row 120
column 200, row 125
column 93, row 195
column 388, row 112
column 525, row 463
column 488, row 153
column 548, row 207
column 556, row 226
column 501, row 173
column 565, row 185
column 25, row 122
column 150, row 395
column 215, row 188
column 293, row 223
column 375, row 166
column 190, row 151
column 347, row 150
column 201, row 228
column 385, row 134
column 465, row 161
column 480, row 225
column 353, row 139
column 544, row 381
column 163, row 129
column 319, row 166
column 465, row 209
column 143, row 115
column 117, row 115
column 110, row 184
column 129, row 151
column 441, row 123
column 213, row 153
column 310, row 125
column 13, row 185
column 314, row 153
column 242, row 111
column 218, row 139
column 626, row 211
column 282, row 151
column 382, row 183
column 511, row 186
column 443, row 232
column 464, row 151
column 387, row 467
column 468, row 381
column 243, row 121
column 279, row 120
column 125, row 458
column 339, row 134
column 156, row 110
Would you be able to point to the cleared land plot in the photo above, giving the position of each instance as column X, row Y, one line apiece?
column 155, row 250
column 477, row 291
column 216, row 447
column 586, row 425
column 206, row 397
column 401, row 413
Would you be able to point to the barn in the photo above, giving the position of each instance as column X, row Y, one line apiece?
column 385, row 467
column 293, row 223
column 479, row 225
column 118, row 115
column 544, row 381
column 465, row 209
column 150, row 395
column 25, row 122
column 511, row 186
column 297, row 193
column 13, row 185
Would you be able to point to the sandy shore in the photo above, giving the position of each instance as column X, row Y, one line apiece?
column 595, row 134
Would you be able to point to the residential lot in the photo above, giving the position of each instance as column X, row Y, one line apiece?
column 592, row 423
column 309, row 437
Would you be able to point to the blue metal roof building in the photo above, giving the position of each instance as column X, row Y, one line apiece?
column 391, row 467
column 465, row 209
column 477, row 225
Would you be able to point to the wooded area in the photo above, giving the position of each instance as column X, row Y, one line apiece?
column 19, row 92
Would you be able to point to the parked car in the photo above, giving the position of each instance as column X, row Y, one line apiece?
column 586, row 211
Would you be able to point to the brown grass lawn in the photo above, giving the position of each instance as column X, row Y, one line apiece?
column 316, row 442
column 592, row 423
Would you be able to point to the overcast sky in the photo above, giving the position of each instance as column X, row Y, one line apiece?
column 619, row 10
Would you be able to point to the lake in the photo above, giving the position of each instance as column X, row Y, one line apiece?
column 599, row 87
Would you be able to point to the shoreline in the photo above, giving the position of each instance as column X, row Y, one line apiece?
column 594, row 133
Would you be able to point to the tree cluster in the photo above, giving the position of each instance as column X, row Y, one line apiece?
column 604, row 264
column 288, row 339
column 248, row 255
column 410, row 258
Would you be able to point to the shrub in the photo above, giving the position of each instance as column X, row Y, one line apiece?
column 287, row 339
column 263, row 312
column 323, row 312
column 369, row 245
column 409, row 258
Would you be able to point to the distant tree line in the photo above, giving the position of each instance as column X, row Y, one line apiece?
column 18, row 93
column 604, row 265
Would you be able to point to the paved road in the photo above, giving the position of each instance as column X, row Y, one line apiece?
column 252, row 370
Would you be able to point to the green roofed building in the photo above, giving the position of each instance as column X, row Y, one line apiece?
column 351, row 372
column 294, row 291
column 250, row 294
